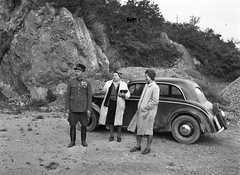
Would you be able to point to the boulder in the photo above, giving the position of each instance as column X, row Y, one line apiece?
column 46, row 49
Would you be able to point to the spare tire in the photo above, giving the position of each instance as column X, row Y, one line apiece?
column 92, row 123
column 221, row 119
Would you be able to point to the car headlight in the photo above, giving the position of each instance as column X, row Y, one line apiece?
column 223, row 113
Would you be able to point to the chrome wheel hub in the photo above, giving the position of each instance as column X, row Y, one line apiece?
column 186, row 129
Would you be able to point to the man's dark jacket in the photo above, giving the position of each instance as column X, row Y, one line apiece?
column 79, row 96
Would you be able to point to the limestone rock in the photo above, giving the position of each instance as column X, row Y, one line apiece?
column 186, row 61
column 46, row 49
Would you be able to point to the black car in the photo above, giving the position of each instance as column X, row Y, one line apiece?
column 183, row 109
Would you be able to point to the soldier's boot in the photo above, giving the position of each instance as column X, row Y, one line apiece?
column 72, row 137
column 83, row 136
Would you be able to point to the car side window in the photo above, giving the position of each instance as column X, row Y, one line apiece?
column 176, row 93
column 164, row 90
column 170, row 91
column 136, row 89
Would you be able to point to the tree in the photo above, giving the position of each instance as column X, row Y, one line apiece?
column 216, row 56
column 134, row 30
column 194, row 20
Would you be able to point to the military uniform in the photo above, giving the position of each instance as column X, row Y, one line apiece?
column 78, row 102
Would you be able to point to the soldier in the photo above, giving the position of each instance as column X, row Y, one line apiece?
column 78, row 104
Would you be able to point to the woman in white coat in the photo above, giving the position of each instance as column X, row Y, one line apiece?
column 113, row 105
column 144, row 118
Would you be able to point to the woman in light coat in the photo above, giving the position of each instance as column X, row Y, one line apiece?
column 143, row 119
column 113, row 105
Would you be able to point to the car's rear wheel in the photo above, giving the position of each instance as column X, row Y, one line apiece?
column 92, row 122
column 186, row 129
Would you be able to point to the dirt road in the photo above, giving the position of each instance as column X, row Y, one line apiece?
column 34, row 143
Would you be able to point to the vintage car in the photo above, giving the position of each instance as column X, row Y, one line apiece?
column 183, row 109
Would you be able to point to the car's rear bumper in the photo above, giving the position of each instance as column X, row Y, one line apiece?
column 220, row 121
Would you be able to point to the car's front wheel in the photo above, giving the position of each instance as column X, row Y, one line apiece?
column 92, row 122
column 186, row 129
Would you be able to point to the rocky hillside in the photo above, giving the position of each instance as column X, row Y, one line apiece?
column 47, row 43
column 139, row 72
column 232, row 94
column 44, row 51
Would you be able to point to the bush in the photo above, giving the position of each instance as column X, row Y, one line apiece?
column 195, row 74
column 51, row 97
column 96, row 28
column 210, row 93
column 37, row 103
column 100, row 75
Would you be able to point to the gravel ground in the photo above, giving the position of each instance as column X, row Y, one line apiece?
column 232, row 94
column 36, row 143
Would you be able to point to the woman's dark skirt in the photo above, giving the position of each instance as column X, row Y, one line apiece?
column 111, row 112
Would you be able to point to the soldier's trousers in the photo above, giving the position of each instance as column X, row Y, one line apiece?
column 75, row 117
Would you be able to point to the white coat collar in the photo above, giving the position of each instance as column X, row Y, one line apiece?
column 149, row 85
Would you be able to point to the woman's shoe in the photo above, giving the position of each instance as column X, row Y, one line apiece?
column 111, row 138
column 146, row 151
column 119, row 139
column 71, row 144
column 134, row 149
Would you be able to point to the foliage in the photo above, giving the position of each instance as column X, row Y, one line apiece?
column 130, row 35
column 100, row 75
column 114, row 62
column 50, row 97
column 37, row 103
column 218, row 58
column 195, row 74
column 134, row 31
column 96, row 28
column 71, row 5
column 211, row 94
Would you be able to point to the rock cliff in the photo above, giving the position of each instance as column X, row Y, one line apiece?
column 45, row 50
column 186, row 61
column 46, row 46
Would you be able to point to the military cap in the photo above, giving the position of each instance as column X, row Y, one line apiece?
column 80, row 67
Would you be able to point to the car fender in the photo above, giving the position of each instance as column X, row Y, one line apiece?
column 200, row 115
column 96, row 107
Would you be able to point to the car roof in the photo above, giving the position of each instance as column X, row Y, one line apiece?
column 187, row 86
column 177, row 81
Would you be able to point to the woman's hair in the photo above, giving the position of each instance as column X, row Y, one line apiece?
column 119, row 73
column 151, row 73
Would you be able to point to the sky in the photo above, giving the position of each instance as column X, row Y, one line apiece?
column 222, row 16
